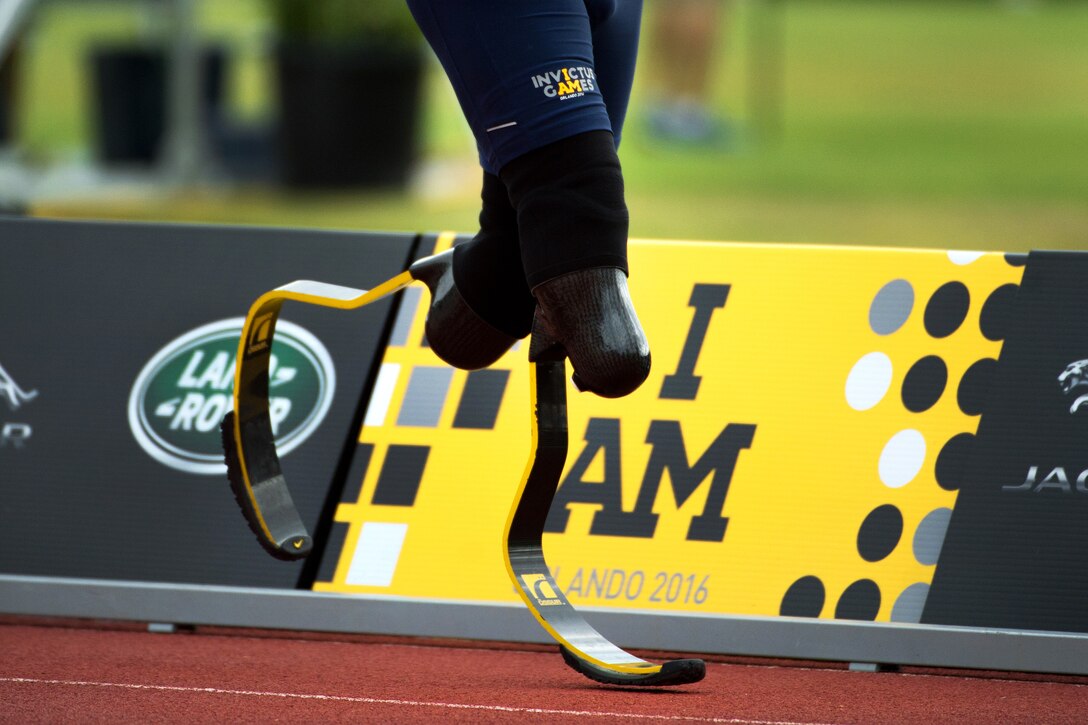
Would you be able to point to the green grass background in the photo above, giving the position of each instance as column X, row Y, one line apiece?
column 950, row 124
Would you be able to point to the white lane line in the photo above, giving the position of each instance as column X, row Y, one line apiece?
column 404, row 703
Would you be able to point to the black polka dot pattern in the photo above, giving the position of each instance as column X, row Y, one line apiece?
column 924, row 384
column 804, row 598
column 947, row 309
column 997, row 311
column 880, row 533
column 952, row 461
column 971, row 395
column 861, row 600
column 926, row 389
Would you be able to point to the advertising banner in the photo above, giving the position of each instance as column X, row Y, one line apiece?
column 885, row 435
column 786, row 456
column 117, row 347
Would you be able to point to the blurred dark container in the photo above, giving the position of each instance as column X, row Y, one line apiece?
column 131, row 92
column 9, row 88
column 349, row 116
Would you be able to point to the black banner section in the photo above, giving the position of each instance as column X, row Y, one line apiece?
column 1014, row 552
column 117, row 345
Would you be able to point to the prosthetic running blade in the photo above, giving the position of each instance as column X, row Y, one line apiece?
column 248, row 443
column 260, row 488
column 584, row 648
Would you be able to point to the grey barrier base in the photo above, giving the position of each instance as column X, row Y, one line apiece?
column 778, row 637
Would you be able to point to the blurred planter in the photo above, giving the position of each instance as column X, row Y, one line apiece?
column 9, row 92
column 349, row 76
column 349, row 116
column 132, row 100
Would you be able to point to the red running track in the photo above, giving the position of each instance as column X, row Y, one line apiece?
column 94, row 672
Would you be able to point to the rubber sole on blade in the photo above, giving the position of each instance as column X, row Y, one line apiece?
column 673, row 672
column 242, row 497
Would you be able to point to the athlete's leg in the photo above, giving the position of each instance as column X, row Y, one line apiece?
column 489, row 74
column 615, row 47
column 522, row 71
column 525, row 75
column 574, row 224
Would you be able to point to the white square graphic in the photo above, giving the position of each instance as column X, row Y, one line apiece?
column 382, row 396
column 376, row 554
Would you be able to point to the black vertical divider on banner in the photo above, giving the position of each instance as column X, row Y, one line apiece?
column 1013, row 556
column 315, row 563
column 117, row 343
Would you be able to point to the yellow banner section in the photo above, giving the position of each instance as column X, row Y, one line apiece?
column 793, row 452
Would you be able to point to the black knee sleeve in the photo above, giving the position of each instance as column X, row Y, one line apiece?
column 573, row 223
column 570, row 207
column 488, row 269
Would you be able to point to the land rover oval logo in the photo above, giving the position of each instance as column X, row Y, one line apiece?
column 185, row 389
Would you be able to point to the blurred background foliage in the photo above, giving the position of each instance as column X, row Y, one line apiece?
column 341, row 21
column 950, row 123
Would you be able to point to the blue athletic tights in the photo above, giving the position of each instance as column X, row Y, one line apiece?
column 531, row 72
column 544, row 85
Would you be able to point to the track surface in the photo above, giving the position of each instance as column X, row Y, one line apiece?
column 90, row 672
